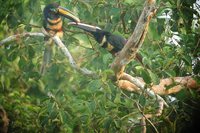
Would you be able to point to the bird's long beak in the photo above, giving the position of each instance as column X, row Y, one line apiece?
column 86, row 27
column 68, row 14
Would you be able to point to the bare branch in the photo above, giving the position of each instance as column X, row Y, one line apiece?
column 180, row 83
column 15, row 37
column 57, row 40
column 71, row 60
column 141, row 86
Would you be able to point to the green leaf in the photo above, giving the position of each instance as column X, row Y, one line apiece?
column 170, row 73
column 187, row 59
column 31, row 51
column 95, row 84
column 117, row 98
column 107, row 123
column 107, row 58
column 145, row 75
column 62, row 116
column 129, row 1
column 12, row 56
column 154, row 77
column 146, row 61
column 142, row 100
column 114, row 11
column 92, row 106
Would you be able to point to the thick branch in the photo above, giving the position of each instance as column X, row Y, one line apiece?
column 178, row 82
column 140, row 87
column 136, row 84
column 135, row 41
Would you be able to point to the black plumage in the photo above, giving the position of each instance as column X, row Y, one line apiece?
column 113, row 43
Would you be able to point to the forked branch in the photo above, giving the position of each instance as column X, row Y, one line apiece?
column 128, row 53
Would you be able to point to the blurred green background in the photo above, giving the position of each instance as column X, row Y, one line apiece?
column 64, row 100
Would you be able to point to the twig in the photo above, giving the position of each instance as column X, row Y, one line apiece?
column 146, row 117
column 143, row 124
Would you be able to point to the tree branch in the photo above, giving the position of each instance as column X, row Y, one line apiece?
column 70, row 58
column 135, row 41
column 15, row 37
column 59, row 43
column 4, row 121
column 179, row 84
column 128, row 53
column 143, row 124
column 140, row 85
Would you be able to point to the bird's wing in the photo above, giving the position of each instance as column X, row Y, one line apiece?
column 117, row 41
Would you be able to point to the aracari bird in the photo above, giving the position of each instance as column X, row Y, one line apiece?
column 52, row 25
column 113, row 43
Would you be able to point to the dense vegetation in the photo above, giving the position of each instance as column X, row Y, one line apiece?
column 64, row 100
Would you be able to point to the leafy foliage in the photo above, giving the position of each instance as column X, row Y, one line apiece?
column 63, row 100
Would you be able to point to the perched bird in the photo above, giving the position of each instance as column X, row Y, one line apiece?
column 52, row 25
column 113, row 43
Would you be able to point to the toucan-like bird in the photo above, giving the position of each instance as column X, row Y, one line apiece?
column 113, row 43
column 52, row 25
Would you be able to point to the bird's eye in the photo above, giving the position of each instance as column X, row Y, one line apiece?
column 53, row 10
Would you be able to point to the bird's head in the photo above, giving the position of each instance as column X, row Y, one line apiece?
column 54, row 11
